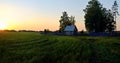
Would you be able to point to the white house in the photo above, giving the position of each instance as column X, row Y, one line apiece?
column 70, row 30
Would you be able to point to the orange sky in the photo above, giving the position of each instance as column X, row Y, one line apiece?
column 20, row 18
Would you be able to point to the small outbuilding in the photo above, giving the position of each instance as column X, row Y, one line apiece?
column 70, row 30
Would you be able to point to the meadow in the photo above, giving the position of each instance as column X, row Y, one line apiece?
column 33, row 47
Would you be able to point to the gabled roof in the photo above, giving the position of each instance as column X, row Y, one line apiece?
column 70, row 28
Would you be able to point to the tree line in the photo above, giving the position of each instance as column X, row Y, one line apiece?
column 97, row 18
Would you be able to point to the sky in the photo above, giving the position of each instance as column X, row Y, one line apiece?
column 44, row 14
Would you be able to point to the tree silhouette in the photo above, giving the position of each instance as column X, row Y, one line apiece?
column 115, row 10
column 72, row 20
column 110, row 24
column 97, row 18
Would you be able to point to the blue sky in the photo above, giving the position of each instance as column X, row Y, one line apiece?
column 44, row 14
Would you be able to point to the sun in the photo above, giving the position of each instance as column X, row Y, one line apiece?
column 2, row 25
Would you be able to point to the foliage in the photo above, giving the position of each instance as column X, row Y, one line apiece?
column 110, row 24
column 97, row 18
column 32, row 47
column 65, row 21
column 115, row 10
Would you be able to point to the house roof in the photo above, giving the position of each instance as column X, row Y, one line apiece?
column 70, row 28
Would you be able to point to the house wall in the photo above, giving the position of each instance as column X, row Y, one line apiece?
column 69, row 33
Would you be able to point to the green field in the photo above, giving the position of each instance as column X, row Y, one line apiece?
column 31, row 47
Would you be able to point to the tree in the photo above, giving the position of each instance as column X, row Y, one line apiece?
column 65, row 21
column 109, row 20
column 115, row 10
column 93, row 16
column 97, row 18
column 46, row 30
column 72, row 20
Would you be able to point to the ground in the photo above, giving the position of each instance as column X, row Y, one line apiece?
column 33, row 47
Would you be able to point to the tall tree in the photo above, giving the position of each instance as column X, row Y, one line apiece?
column 109, row 20
column 97, row 18
column 65, row 21
column 115, row 10
column 93, row 16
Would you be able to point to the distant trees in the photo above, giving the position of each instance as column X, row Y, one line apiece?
column 8, row 31
column 46, row 30
column 97, row 18
column 65, row 21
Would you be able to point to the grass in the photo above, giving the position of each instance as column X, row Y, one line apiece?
column 31, row 47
